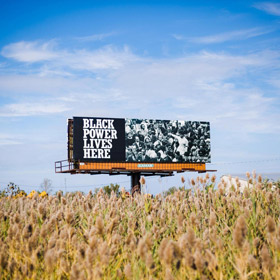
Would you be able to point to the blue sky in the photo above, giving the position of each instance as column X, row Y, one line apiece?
column 214, row 61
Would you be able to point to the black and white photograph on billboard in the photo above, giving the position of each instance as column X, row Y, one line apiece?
column 167, row 141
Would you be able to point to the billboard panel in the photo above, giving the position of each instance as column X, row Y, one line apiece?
column 167, row 141
column 98, row 139
column 140, row 140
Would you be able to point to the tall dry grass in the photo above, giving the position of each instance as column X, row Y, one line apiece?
column 201, row 234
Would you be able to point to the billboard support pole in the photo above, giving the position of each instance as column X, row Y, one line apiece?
column 135, row 179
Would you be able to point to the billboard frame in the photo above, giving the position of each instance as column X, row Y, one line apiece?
column 133, row 169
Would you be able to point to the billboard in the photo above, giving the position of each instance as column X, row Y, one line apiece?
column 140, row 140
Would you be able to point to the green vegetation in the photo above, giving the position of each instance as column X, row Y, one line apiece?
column 12, row 190
column 109, row 189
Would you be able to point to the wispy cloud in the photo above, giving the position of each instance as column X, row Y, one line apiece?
column 108, row 81
column 238, row 94
column 226, row 36
column 30, row 51
column 179, row 37
column 247, row 106
column 205, row 86
column 269, row 7
column 94, row 37
column 104, row 58
column 107, row 57
column 31, row 109
column 9, row 139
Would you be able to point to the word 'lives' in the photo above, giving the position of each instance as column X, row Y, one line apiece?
column 98, row 135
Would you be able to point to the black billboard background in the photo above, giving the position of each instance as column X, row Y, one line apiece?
column 116, row 153
column 142, row 140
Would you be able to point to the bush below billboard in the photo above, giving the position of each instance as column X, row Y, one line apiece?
column 140, row 140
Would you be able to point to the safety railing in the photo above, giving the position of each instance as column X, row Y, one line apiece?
column 63, row 166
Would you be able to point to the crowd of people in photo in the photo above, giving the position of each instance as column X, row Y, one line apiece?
column 167, row 141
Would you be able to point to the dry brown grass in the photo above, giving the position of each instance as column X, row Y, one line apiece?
column 200, row 234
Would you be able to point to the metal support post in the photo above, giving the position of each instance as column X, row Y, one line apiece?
column 135, row 179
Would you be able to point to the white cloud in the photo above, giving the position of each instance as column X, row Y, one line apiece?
column 228, row 90
column 183, row 75
column 9, row 139
column 94, row 37
column 28, row 84
column 31, row 109
column 268, row 7
column 101, row 59
column 115, row 82
column 235, row 111
column 55, row 60
column 30, row 51
column 179, row 37
column 226, row 36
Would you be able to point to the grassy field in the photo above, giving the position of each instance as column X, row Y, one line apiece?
column 206, row 233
